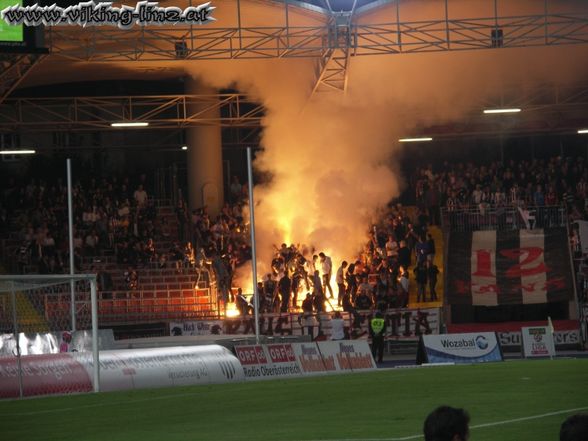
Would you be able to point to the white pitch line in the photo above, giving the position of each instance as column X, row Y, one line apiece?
column 534, row 417
column 477, row 426
column 102, row 404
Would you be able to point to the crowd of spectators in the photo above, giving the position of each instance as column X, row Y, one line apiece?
column 117, row 217
column 377, row 278
column 117, row 214
column 108, row 214
column 527, row 183
column 109, row 217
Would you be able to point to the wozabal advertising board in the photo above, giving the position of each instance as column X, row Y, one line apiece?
column 538, row 342
column 566, row 336
column 459, row 348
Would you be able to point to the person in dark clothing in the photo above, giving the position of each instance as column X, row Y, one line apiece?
column 420, row 273
column 319, row 300
column 351, row 280
column 263, row 305
column 270, row 288
column 404, row 255
column 297, row 277
column 377, row 331
column 432, row 272
column 340, row 279
column 346, row 302
column 431, row 248
column 242, row 303
column 308, row 311
column 223, row 279
column 421, row 250
column 284, row 287
column 574, row 428
column 363, row 301
column 447, row 424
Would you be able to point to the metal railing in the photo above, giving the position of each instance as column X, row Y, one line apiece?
column 503, row 218
column 126, row 307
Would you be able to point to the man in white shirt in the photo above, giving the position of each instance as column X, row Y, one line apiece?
column 340, row 279
column 326, row 268
column 140, row 196
column 337, row 327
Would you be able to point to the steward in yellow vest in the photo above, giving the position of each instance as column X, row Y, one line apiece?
column 377, row 331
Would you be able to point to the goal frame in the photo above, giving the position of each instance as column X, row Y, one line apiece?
column 52, row 279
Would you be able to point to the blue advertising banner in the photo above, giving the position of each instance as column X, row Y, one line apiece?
column 459, row 348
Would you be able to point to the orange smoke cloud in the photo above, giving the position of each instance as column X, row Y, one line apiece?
column 334, row 157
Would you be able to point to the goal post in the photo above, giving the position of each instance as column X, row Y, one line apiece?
column 39, row 316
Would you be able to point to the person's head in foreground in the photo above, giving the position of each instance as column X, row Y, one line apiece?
column 447, row 424
column 574, row 428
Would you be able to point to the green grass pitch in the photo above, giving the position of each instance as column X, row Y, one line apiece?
column 7, row 32
column 387, row 404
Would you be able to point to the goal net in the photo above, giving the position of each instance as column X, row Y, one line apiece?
column 48, row 335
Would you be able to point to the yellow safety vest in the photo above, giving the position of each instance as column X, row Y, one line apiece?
column 377, row 325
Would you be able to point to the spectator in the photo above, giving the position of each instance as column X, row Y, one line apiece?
column 351, row 280
column 420, row 273
column 242, row 303
column 131, row 279
column 337, row 327
column 574, row 428
column 236, row 187
column 340, row 279
column 326, row 266
column 432, row 272
column 363, row 301
column 430, row 248
column 307, row 316
column 447, row 424
column 284, row 287
column 140, row 196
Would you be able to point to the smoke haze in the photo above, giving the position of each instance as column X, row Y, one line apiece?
column 334, row 158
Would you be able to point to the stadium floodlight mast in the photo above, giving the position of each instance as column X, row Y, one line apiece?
column 130, row 124
column 499, row 111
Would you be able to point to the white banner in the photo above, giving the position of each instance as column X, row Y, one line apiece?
column 120, row 370
column 52, row 342
column 310, row 360
column 462, row 348
column 404, row 324
column 401, row 324
column 209, row 327
column 262, row 362
column 538, row 342
column 347, row 355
